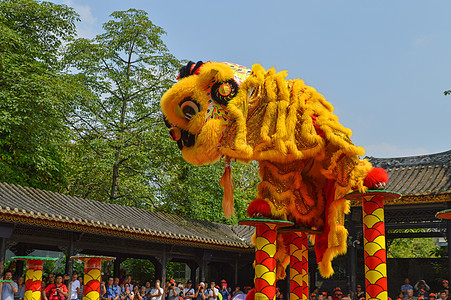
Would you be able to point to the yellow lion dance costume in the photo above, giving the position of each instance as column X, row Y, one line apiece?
column 307, row 160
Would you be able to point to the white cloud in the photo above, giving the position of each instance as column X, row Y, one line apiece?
column 389, row 150
column 421, row 41
column 85, row 28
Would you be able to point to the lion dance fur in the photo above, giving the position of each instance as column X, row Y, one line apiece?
column 306, row 158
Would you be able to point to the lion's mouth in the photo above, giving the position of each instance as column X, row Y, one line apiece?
column 183, row 137
column 187, row 140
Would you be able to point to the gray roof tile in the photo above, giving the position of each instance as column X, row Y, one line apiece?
column 32, row 202
column 417, row 175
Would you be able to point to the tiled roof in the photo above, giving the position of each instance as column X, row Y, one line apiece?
column 243, row 231
column 38, row 204
column 417, row 175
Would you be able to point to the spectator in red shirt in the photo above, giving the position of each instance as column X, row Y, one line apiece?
column 337, row 292
column 57, row 290
column 446, row 286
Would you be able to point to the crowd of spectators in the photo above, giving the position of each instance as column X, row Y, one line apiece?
column 114, row 289
column 54, row 287
column 420, row 291
column 59, row 287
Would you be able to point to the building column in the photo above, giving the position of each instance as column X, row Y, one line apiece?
column 160, row 264
column 206, row 257
column 117, row 266
column 165, row 258
column 2, row 255
column 236, row 271
column 203, row 269
column 158, row 269
column 69, row 268
column 448, row 237
column 352, row 263
column 2, row 260
column 193, row 266
column 19, row 250
column 352, row 241
column 313, row 269
column 164, row 262
column 5, row 232
column 288, row 282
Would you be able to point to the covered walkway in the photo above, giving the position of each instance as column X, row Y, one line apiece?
column 32, row 219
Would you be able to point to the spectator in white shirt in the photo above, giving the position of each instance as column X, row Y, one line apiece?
column 75, row 286
column 212, row 291
column 9, row 288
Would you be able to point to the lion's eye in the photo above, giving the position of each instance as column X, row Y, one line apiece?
column 189, row 108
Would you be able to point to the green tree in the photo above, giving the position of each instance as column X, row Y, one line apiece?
column 116, row 128
column 195, row 191
column 412, row 248
column 59, row 266
column 32, row 133
column 121, row 151
column 141, row 270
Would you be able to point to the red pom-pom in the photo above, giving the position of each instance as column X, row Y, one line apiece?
column 375, row 178
column 258, row 207
column 250, row 295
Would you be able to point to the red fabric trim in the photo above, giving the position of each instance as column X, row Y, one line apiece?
column 321, row 241
column 318, row 130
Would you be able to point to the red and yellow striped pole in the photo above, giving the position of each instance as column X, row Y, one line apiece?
column 265, row 262
column 374, row 241
column 33, row 276
column 299, row 266
column 93, row 275
column 299, row 273
column 305, row 273
column 265, row 251
column 33, row 279
column 374, row 247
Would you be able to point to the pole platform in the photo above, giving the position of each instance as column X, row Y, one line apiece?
column 33, row 275
column 444, row 214
column 265, row 251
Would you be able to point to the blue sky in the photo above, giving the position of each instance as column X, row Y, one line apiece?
column 383, row 64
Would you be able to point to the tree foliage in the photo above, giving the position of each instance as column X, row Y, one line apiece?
column 82, row 116
column 143, row 270
column 116, row 127
column 195, row 191
column 32, row 134
column 413, row 248
column 122, row 151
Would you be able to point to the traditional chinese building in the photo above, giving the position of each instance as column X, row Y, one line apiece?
column 33, row 219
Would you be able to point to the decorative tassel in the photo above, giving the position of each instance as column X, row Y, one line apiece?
column 228, row 185
column 376, row 178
